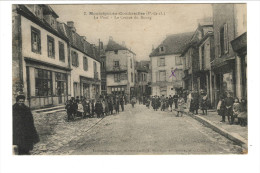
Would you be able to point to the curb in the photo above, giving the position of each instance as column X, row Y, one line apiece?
column 232, row 136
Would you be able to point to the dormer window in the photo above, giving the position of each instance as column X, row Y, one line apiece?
column 162, row 49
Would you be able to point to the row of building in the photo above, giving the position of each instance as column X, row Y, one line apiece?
column 52, row 62
column 212, row 58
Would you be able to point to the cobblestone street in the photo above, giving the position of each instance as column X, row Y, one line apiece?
column 135, row 131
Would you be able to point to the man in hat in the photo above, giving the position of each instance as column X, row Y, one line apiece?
column 24, row 132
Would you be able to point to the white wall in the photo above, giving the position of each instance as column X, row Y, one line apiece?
column 240, row 19
column 26, row 44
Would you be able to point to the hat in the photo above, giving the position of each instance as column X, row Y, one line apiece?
column 20, row 97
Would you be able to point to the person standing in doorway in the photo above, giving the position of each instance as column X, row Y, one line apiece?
column 229, row 108
column 24, row 132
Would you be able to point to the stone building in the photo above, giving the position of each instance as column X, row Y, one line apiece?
column 41, row 68
column 165, row 60
column 49, row 58
column 85, row 65
column 120, row 69
column 142, row 75
column 197, row 56
column 229, row 65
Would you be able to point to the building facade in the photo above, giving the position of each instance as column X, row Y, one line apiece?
column 49, row 58
column 229, row 69
column 142, row 79
column 85, row 65
column 166, row 65
column 197, row 57
column 120, row 69
column 40, row 56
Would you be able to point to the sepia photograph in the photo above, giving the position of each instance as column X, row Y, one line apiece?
column 129, row 79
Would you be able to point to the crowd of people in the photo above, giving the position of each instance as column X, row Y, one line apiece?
column 89, row 108
column 232, row 109
column 166, row 103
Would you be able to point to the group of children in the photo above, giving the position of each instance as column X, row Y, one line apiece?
column 232, row 109
column 88, row 108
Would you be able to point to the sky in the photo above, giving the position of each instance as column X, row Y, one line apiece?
column 153, row 23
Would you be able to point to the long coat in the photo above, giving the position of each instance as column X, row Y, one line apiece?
column 24, row 132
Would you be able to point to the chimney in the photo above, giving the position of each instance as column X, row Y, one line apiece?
column 71, row 26
column 152, row 47
column 123, row 44
column 110, row 38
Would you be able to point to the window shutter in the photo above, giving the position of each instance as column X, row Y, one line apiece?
column 158, row 61
column 157, row 76
column 226, row 38
column 218, row 45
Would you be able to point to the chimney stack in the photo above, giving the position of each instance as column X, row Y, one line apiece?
column 152, row 47
column 110, row 38
column 71, row 26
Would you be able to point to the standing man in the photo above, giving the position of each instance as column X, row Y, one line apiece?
column 24, row 132
column 122, row 103
column 175, row 99
column 170, row 102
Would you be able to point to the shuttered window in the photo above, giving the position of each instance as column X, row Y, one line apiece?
column 61, row 52
column 51, row 47
column 162, row 75
column 161, row 61
column 85, row 63
column 35, row 40
column 223, row 40
column 75, row 61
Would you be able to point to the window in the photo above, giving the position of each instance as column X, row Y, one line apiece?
column 116, row 51
column 35, row 40
column 61, row 52
column 131, row 63
column 117, row 77
column 75, row 61
column 85, row 63
column 43, row 82
column 61, row 83
column 162, row 49
column 161, row 61
column 116, row 63
column 178, row 60
column 223, row 39
column 202, row 57
column 51, row 48
column 102, row 64
column 162, row 75
column 132, row 80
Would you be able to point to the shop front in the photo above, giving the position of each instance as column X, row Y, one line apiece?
column 89, row 87
column 47, row 85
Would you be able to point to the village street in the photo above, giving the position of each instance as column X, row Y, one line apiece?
column 138, row 130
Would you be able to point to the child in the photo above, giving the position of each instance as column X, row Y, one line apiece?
column 236, row 108
column 80, row 111
column 181, row 103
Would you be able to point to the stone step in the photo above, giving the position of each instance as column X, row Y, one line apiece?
column 50, row 109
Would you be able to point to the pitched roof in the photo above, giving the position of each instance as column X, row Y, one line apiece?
column 112, row 46
column 174, row 44
column 80, row 44
column 22, row 9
